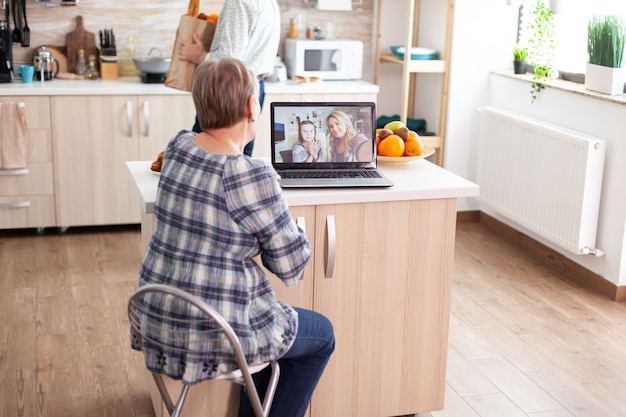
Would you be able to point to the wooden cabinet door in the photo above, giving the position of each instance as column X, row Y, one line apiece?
column 159, row 118
column 388, row 298
column 27, row 195
column 93, row 138
column 302, row 294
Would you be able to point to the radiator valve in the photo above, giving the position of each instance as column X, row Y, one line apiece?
column 595, row 252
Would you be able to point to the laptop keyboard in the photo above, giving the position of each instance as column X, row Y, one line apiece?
column 331, row 174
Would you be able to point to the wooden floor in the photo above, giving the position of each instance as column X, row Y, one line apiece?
column 523, row 341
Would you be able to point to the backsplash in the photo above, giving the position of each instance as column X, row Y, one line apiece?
column 153, row 23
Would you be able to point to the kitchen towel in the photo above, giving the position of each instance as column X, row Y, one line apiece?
column 12, row 136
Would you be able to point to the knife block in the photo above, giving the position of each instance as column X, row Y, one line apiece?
column 108, row 70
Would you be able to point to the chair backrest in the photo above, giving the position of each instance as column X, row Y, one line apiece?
column 181, row 335
column 171, row 333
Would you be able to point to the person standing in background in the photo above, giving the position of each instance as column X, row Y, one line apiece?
column 248, row 30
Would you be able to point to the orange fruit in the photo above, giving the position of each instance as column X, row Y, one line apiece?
column 392, row 145
column 377, row 140
column 413, row 145
column 413, row 134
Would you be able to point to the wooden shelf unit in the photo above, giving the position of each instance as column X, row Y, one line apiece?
column 411, row 68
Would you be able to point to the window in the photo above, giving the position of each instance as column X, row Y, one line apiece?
column 571, row 26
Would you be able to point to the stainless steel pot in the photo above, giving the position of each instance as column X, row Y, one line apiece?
column 153, row 64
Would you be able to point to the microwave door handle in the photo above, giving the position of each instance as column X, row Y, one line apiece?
column 335, row 59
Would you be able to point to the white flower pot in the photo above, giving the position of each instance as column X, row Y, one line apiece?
column 605, row 80
column 557, row 6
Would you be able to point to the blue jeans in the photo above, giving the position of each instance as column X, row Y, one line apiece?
column 300, row 368
column 250, row 145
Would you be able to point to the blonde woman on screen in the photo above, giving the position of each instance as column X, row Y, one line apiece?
column 343, row 140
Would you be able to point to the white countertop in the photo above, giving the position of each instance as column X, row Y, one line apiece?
column 420, row 180
column 56, row 87
column 321, row 87
column 133, row 85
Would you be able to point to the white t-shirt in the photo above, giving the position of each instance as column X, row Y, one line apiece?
column 248, row 30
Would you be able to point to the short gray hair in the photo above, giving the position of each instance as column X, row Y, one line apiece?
column 221, row 89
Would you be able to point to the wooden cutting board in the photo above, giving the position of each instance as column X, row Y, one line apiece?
column 79, row 38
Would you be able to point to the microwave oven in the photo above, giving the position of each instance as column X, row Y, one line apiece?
column 326, row 59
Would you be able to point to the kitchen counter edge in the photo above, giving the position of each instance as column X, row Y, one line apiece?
column 131, row 85
column 420, row 180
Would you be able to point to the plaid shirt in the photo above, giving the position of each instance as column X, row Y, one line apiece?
column 214, row 214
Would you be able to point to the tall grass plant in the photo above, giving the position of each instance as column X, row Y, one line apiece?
column 605, row 41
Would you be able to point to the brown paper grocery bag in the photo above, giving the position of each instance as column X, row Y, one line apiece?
column 180, row 73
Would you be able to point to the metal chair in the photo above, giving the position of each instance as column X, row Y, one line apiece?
column 148, row 325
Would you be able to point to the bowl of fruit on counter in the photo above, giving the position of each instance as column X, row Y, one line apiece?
column 397, row 144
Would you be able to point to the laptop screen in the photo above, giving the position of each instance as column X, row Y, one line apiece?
column 323, row 135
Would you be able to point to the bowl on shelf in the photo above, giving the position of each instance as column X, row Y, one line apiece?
column 416, row 52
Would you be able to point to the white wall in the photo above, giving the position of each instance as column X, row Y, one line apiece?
column 483, row 36
column 595, row 117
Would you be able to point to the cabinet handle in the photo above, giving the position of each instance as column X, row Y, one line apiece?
column 301, row 223
column 10, row 172
column 129, row 118
column 146, row 118
column 330, row 246
column 18, row 204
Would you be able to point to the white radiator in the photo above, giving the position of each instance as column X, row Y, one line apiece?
column 543, row 177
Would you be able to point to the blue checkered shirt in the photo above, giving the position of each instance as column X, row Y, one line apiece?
column 214, row 214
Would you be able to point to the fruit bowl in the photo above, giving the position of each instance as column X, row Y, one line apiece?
column 403, row 160
column 416, row 53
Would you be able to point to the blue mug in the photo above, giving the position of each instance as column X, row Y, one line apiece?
column 26, row 72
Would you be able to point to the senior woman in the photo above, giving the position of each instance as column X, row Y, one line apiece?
column 216, row 210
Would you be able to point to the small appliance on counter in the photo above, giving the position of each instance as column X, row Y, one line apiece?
column 280, row 72
column 324, row 59
column 6, row 47
column 46, row 67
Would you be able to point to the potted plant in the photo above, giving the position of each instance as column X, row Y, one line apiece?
column 605, row 53
column 541, row 45
column 520, row 54
column 557, row 6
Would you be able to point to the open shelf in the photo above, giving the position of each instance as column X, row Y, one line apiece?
column 416, row 65
column 412, row 68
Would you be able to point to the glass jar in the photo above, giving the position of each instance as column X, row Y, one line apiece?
column 92, row 71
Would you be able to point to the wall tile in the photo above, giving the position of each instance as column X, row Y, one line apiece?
column 153, row 23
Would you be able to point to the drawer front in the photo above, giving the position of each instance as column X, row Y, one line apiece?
column 38, row 180
column 18, row 212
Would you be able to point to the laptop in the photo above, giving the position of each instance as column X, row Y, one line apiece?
column 325, row 144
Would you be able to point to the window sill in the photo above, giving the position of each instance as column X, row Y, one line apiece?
column 569, row 86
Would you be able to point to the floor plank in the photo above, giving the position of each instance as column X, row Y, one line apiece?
column 524, row 341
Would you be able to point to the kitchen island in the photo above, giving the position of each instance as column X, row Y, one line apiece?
column 381, row 272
